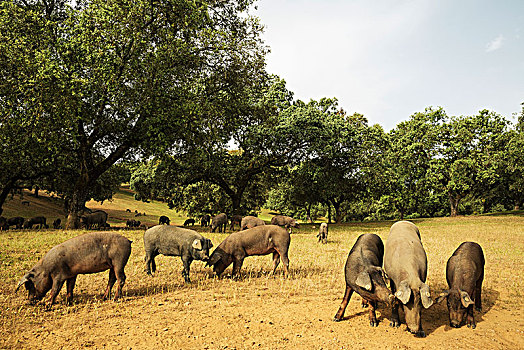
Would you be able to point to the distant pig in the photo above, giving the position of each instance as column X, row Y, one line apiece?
column 286, row 221
column 175, row 241
column 235, row 219
column 365, row 276
column 323, row 233
column 163, row 220
column 464, row 273
column 189, row 222
column 17, row 221
column 406, row 264
column 220, row 222
column 37, row 220
column 260, row 240
column 250, row 222
column 87, row 253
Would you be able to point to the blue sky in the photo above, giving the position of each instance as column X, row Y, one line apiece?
column 388, row 59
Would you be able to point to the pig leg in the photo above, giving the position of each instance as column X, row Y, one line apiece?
column 149, row 258
column 237, row 264
column 478, row 292
column 364, row 303
column 470, row 320
column 372, row 316
column 395, row 319
column 70, row 284
column 121, row 279
column 276, row 261
column 186, row 260
column 344, row 304
column 110, row 283
column 57, row 285
column 285, row 261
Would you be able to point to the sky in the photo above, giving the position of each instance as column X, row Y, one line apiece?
column 388, row 59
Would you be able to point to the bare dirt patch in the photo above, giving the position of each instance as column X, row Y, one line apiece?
column 259, row 310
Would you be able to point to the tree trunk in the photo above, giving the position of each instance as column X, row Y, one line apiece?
column 235, row 200
column 454, row 204
column 338, row 214
column 5, row 192
column 36, row 191
column 517, row 206
column 308, row 212
column 329, row 212
column 77, row 202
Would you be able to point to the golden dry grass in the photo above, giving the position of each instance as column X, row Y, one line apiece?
column 258, row 309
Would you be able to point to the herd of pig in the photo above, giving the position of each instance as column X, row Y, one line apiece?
column 369, row 266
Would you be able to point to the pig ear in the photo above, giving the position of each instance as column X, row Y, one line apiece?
column 442, row 296
column 27, row 278
column 197, row 244
column 403, row 292
column 364, row 281
column 465, row 299
column 425, row 296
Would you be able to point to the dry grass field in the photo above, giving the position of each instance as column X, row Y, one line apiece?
column 259, row 310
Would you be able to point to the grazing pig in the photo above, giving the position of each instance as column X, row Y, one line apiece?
column 189, row 222
column 261, row 240
column 57, row 223
column 219, row 221
column 235, row 219
column 37, row 220
column 95, row 219
column 17, row 222
column 250, row 222
column 464, row 273
column 286, row 221
column 405, row 263
column 365, row 276
column 87, row 253
column 163, row 220
column 323, row 233
column 205, row 220
column 133, row 223
column 175, row 241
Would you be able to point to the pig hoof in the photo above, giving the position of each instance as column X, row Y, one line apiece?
column 478, row 308
column 394, row 324
column 420, row 334
column 373, row 323
column 364, row 306
column 337, row 319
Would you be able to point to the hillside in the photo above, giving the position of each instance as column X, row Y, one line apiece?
column 52, row 207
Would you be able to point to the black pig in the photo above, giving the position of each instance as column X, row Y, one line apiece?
column 87, row 253
column 365, row 276
column 464, row 273
column 175, row 241
column 260, row 240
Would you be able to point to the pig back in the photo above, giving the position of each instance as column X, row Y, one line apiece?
column 169, row 240
column 466, row 266
column 257, row 239
column 88, row 253
column 370, row 246
column 404, row 256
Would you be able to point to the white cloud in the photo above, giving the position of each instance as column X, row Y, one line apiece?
column 495, row 44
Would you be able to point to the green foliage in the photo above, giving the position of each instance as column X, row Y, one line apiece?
column 127, row 75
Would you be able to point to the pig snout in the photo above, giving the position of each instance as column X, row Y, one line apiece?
column 454, row 324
